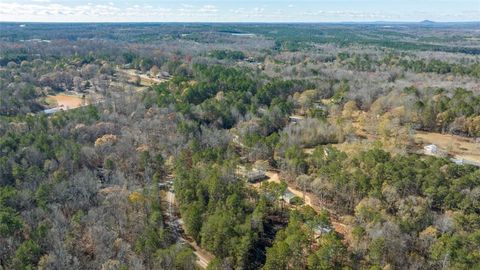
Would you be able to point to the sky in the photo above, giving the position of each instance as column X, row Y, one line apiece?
column 239, row 11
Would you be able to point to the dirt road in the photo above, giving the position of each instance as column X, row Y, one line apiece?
column 203, row 256
column 312, row 201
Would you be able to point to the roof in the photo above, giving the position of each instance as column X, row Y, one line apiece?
column 322, row 229
column 253, row 174
column 461, row 161
column 53, row 110
column 296, row 117
column 288, row 195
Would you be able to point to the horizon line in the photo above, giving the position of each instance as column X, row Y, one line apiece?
column 426, row 21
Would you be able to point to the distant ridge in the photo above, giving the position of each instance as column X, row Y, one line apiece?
column 427, row 22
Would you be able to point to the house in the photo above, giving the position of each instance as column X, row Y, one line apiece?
column 53, row 110
column 295, row 118
column 431, row 150
column 163, row 75
column 163, row 186
column 458, row 161
column 288, row 196
column 322, row 229
column 319, row 106
column 252, row 176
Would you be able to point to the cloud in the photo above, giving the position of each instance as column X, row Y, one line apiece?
column 55, row 9
column 104, row 12
column 208, row 9
column 189, row 10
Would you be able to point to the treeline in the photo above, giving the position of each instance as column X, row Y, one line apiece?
column 439, row 110
column 364, row 62
column 227, row 54
column 440, row 67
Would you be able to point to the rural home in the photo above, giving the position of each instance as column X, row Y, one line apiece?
column 287, row 196
column 253, row 175
column 163, row 75
column 53, row 110
column 322, row 229
column 295, row 118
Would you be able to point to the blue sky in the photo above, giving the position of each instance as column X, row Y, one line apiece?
column 239, row 11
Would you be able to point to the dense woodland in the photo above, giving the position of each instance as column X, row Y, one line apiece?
column 331, row 109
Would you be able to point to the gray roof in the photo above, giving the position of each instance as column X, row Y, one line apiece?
column 288, row 195
column 53, row 110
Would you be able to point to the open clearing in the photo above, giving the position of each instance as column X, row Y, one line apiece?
column 457, row 146
column 144, row 79
column 66, row 101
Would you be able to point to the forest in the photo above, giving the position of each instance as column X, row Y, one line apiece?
column 239, row 146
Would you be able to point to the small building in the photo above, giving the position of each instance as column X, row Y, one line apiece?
column 53, row 110
column 163, row 75
column 322, row 229
column 458, row 161
column 288, row 196
column 462, row 161
column 431, row 150
column 319, row 106
column 163, row 186
column 295, row 118
column 252, row 176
